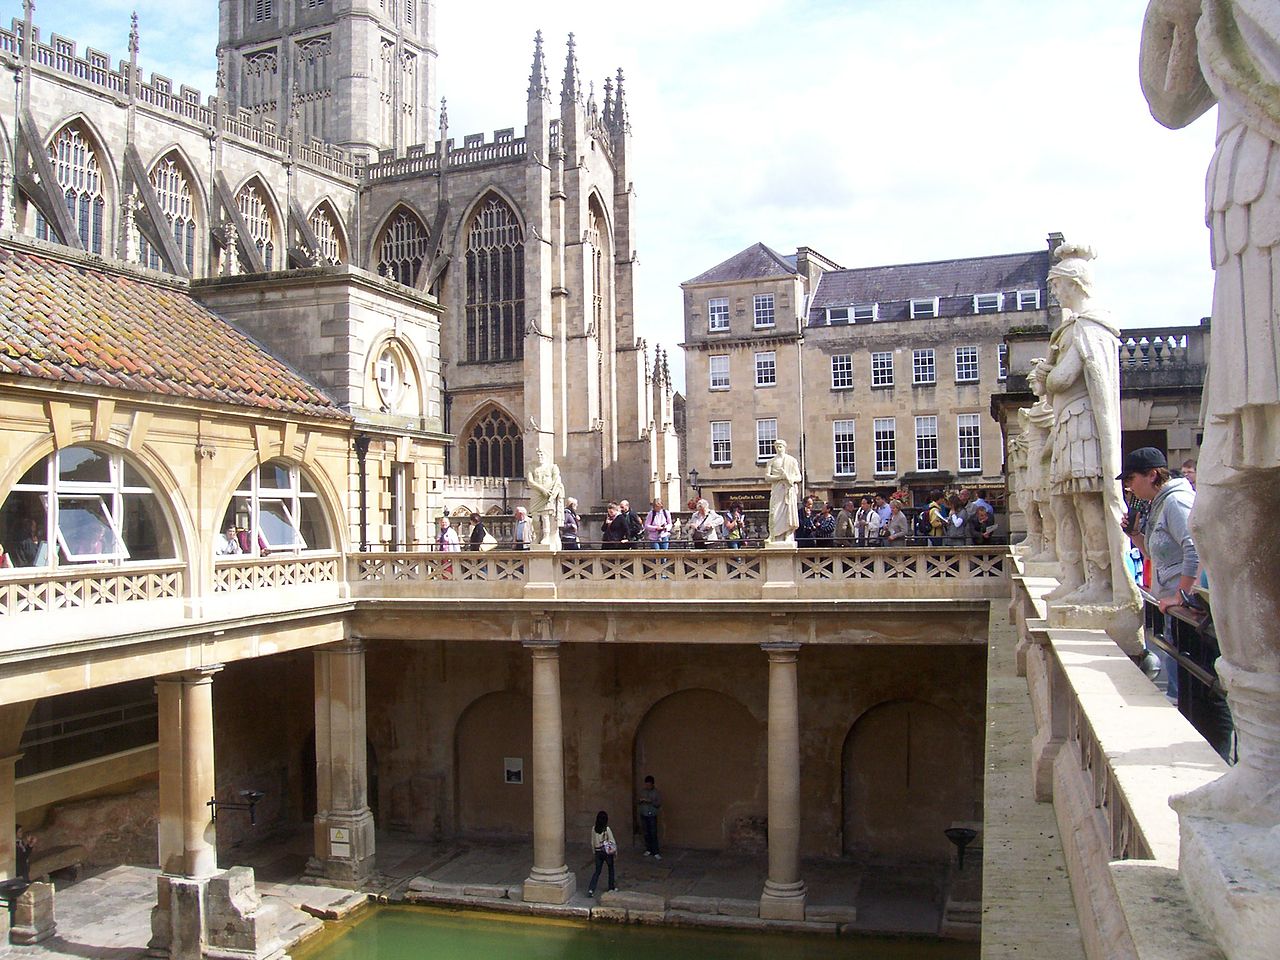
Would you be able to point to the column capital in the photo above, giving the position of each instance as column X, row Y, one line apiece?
column 781, row 651
column 351, row 645
column 192, row 677
column 542, row 648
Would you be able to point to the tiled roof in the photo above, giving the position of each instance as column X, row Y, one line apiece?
column 754, row 263
column 957, row 280
column 68, row 322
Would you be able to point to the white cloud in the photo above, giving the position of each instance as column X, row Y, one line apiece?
column 876, row 131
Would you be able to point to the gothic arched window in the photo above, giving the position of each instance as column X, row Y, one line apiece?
column 402, row 249
column 79, row 175
column 597, row 232
column 253, row 206
column 495, row 284
column 324, row 224
column 495, row 447
column 173, row 190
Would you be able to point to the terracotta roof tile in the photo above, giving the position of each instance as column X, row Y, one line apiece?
column 67, row 322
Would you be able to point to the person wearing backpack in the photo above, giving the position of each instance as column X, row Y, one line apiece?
column 657, row 526
column 634, row 525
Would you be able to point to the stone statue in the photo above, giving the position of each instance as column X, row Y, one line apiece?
column 1194, row 54
column 1037, row 428
column 1082, row 384
column 783, row 472
column 546, row 500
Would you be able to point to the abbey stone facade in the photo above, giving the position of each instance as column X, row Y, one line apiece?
column 465, row 303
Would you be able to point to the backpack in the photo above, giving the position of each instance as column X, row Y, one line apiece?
column 922, row 526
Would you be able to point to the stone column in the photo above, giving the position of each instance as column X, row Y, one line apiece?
column 550, row 881
column 187, row 836
column 784, row 891
column 13, row 721
column 344, row 828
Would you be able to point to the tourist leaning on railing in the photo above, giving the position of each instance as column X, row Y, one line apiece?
column 1166, row 535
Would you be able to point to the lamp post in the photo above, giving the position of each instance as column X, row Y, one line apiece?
column 693, row 482
column 362, row 450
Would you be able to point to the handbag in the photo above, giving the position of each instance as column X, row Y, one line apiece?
column 609, row 848
column 489, row 542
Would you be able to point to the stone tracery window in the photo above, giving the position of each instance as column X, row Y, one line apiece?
column 595, row 307
column 495, row 447
column 495, row 284
column 79, row 175
column 173, row 190
column 253, row 207
column 402, row 249
column 325, row 226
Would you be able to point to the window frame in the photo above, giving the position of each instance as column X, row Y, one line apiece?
column 763, row 455
column 766, row 365
column 880, row 436
column 924, row 308
column 717, row 321
column 976, row 361
column 713, row 383
column 924, row 367
column 726, row 441
column 926, row 461
column 758, row 302
column 1029, row 295
column 864, row 312
column 832, row 318
column 290, row 500
column 988, row 302
column 878, row 369
column 844, row 446
column 973, row 421
column 841, row 375
column 1002, row 362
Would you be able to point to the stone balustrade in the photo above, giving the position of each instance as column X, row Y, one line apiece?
column 66, row 589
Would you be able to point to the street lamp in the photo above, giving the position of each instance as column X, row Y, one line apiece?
column 693, row 482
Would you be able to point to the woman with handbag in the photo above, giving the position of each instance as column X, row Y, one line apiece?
column 605, row 848
column 704, row 525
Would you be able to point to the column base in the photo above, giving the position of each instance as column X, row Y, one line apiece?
column 783, row 901
column 554, row 887
column 344, row 848
column 178, row 918
column 1231, row 872
column 33, row 920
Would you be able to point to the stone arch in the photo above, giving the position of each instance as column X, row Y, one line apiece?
column 706, row 751
column 487, row 801
column 492, row 443
column 343, row 244
column 199, row 203
column 412, row 400
column 468, row 214
column 597, row 266
column 276, row 258
column 109, row 181
column 906, row 775
column 328, row 498
column 387, row 223
column 168, row 492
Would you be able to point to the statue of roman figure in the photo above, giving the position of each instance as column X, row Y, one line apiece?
column 546, row 500
column 783, row 473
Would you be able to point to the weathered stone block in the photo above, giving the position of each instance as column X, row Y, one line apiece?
column 630, row 900
column 33, row 919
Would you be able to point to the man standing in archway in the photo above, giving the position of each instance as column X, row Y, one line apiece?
column 650, row 803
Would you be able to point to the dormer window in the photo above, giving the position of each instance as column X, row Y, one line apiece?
column 837, row 314
column 1028, row 299
column 924, row 307
column 988, row 302
column 866, row 312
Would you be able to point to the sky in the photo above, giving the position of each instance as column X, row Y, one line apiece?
column 873, row 131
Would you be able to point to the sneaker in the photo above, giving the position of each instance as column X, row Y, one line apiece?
column 611, row 889
column 657, row 856
column 591, row 893
column 648, row 854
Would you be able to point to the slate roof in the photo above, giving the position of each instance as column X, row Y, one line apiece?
column 68, row 322
column 954, row 282
column 754, row 263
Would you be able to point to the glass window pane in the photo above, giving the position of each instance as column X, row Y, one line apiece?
column 82, row 465
column 23, row 527
column 274, row 476
column 38, row 475
column 146, row 534
column 275, row 524
column 132, row 478
column 315, row 533
column 84, row 530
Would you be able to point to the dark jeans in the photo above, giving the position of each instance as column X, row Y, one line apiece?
column 601, row 857
column 649, row 824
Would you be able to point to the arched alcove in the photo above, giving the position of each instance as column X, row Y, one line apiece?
column 492, row 799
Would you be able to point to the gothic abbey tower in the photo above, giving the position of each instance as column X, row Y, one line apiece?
column 323, row 166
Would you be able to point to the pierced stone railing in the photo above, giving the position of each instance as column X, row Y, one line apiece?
column 966, row 573
column 261, row 573
column 22, row 591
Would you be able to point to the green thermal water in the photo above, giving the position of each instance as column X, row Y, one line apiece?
column 415, row 933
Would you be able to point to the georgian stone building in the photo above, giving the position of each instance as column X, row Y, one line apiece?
column 877, row 376
column 466, row 302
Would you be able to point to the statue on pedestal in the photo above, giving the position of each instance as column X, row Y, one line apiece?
column 1193, row 55
column 1037, row 427
column 546, row 500
column 1082, row 384
column 783, row 473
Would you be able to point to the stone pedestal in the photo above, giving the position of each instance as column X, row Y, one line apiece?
column 550, row 880
column 178, row 918
column 33, row 919
column 541, row 584
column 779, row 570
column 239, row 928
column 344, row 827
column 784, row 892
